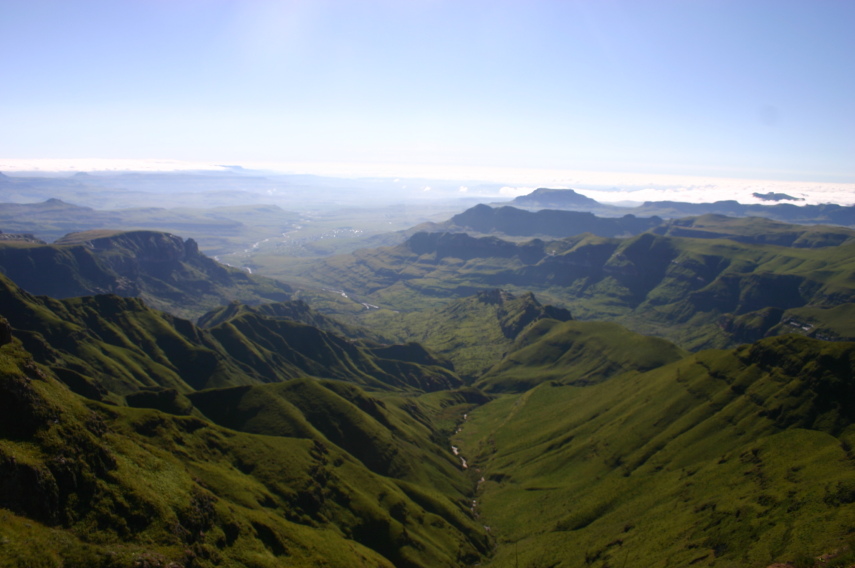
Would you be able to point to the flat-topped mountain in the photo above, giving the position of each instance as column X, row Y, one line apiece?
column 553, row 223
column 568, row 199
column 545, row 198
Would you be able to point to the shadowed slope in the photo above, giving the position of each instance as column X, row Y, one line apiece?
column 167, row 272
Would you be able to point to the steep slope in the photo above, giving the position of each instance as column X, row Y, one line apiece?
column 474, row 332
column 575, row 353
column 295, row 310
column 699, row 292
column 107, row 343
column 280, row 345
column 545, row 223
column 166, row 272
column 725, row 458
column 389, row 438
column 88, row 484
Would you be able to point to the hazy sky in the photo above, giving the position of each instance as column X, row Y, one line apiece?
column 727, row 88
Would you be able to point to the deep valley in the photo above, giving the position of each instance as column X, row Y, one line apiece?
column 543, row 383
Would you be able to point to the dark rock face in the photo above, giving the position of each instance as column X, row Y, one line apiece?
column 167, row 271
column 462, row 246
column 5, row 331
column 550, row 222
column 28, row 490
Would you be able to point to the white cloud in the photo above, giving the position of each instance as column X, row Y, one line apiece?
column 515, row 191
column 607, row 187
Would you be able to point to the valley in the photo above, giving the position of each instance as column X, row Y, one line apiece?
column 453, row 384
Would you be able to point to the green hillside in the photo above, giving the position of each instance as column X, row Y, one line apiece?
column 725, row 458
column 470, row 423
column 107, row 344
column 575, row 353
column 698, row 292
column 167, row 272
column 112, row 455
column 474, row 332
column 88, row 484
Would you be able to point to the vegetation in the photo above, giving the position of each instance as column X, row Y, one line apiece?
column 162, row 269
column 86, row 484
column 473, row 333
column 725, row 458
column 697, row 292
column 470, row 425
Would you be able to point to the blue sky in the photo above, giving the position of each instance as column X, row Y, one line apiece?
column 761, row 89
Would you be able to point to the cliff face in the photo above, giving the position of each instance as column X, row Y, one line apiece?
column 548, row 222
column 168, row 272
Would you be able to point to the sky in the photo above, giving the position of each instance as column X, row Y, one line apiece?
column 748, row 89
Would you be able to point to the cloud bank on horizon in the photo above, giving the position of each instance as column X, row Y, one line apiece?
column 488, row 183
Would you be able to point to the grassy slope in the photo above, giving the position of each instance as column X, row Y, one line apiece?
column 575, row 353
column 725, row 458
column 676, row 287
column 168, row 273
column 119, row 345
column 473, row 333
column 92, row 485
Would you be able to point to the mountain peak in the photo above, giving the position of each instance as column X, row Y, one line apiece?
column 554, row 198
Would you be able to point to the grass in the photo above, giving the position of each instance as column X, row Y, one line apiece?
column 711, row 460
column 576, row 353
column 159, row 488
column 675, row 287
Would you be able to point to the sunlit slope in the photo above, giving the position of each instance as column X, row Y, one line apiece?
column 108, row 345
column 285, row 348
column 392, row 439
column 294, row 310
column 757, row 230
column 473, row 332
column 167, row 272
column 690, row 290
column 575, row 353
column 724, row 458
column 88, row 484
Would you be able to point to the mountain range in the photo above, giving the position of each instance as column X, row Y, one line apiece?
column 568, row 199
column 165, row 270
column 677, row 393
column 704, row 282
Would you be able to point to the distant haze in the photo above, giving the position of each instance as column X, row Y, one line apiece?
column 498, row 182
